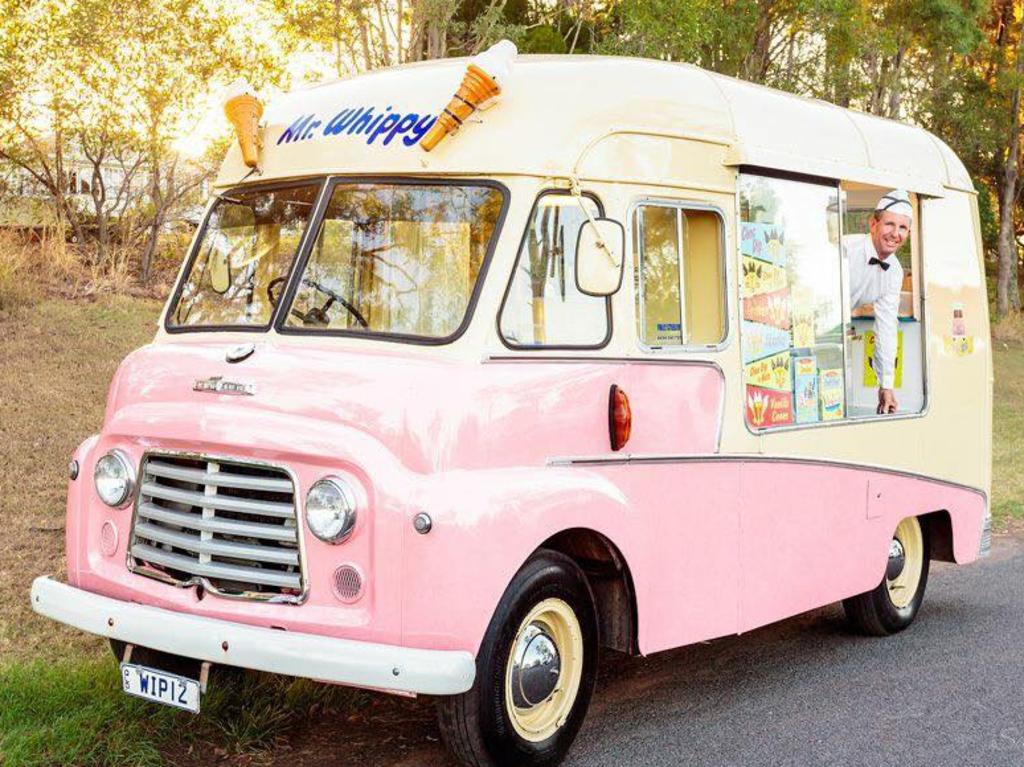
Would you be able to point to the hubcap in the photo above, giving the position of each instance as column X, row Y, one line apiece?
column 545, row 666
column 897, row 560
column 906, row 562
column 536, row 667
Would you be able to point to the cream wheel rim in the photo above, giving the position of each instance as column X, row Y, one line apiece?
column 545, row 665
column 908, row 540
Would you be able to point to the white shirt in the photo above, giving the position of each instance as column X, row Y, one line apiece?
column 870, row 284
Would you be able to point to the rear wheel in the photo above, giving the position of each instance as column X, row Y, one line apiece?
column 535, row 671
column 893, row 604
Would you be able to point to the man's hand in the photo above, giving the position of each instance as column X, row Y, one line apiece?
column 886, row 402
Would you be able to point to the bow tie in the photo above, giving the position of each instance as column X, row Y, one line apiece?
column 878, row 261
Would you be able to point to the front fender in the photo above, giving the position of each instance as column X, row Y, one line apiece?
column 485, row 526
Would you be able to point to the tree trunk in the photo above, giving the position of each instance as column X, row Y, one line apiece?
column 1007, row 291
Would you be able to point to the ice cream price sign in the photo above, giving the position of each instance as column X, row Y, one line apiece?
column 769, row 308
column 766, row 407
column 830, row 384
column 805, row 389
column 771, row 372
column 761, row 340
column 759, row 277
column 765, row 242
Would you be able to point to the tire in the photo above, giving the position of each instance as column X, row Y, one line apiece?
column 547, row 604
column 892, row 605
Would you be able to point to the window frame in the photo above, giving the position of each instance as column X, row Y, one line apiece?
column 201, row 233
column 609, row 318
column 728, row 305
column 306, row 249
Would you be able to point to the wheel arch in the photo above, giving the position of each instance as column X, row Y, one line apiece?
column 611, row 582
column 939, row 529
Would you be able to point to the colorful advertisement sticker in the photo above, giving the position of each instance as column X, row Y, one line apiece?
column 769, row 309
column 765, row 242
column 870, row 377
column 762, row 340
column 830, row 388
column 802, row 312
column 805, row 389
column 759, row 277
column 766, row 407
column 770, row 373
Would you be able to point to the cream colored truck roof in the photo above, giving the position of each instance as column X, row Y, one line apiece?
column 554, row 109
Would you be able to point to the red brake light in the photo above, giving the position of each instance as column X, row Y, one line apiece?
column 620, row 417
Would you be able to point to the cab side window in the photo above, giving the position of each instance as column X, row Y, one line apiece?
column 680, row 276
column 542, row 307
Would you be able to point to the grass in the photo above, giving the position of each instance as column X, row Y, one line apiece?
column 56, row 361
column 73, row 713
column 60, row 698
column 1008, row 437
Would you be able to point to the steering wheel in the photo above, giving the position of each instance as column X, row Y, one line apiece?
column 318, row 314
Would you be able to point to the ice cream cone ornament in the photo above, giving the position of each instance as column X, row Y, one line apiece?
column 480, row 86
column 244, row 110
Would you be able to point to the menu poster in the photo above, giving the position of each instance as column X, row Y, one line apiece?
column 770, row 373
column 759, row 277
column 802, row 312
column 830, row 387
column 870, row 377
column 766, row 407
column 762, row 340
column 765, row 242
column 805, row 389
column 768, row 308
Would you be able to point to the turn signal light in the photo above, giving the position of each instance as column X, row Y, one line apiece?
column 620, row 417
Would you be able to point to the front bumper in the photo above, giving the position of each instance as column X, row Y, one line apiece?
column 361, row 664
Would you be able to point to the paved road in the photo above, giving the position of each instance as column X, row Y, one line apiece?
column 949, row 691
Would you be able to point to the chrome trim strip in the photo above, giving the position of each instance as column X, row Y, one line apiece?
column 240, row 481
column 209, row 525
column 214, row 570
column 218, row 548
column 654, row 458
column 225, row 502
column 248, row 596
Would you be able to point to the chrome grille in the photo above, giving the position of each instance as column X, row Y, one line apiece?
column 226, row 524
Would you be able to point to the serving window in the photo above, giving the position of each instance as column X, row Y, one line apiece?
column 680, row 276
column 808, row 348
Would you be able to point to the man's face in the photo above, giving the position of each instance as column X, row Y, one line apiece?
column 889, row 232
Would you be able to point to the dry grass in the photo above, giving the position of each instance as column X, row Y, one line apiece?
column 56, row 361
column 17, row 284
column 1008, row 332
column 1008, row 437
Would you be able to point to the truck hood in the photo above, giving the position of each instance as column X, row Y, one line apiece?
column 297, row 398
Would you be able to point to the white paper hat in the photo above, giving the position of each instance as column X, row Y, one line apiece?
column 896, row 201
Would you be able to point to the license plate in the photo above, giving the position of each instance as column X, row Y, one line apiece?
column 161, row 687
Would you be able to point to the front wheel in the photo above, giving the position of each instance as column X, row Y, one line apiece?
column 535, row 671
column 893, row 604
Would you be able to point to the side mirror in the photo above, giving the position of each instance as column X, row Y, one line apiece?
column 600, row 254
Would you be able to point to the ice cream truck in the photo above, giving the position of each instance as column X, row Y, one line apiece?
column 454, row 390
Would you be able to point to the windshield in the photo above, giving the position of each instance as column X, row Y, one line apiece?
column 243, row 259
column 397, row 259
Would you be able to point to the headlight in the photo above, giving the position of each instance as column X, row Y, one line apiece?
column 331, row 510
column 114, row 478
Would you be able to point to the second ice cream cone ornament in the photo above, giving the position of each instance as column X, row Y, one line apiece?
column 244, row 110
column 480, row 85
